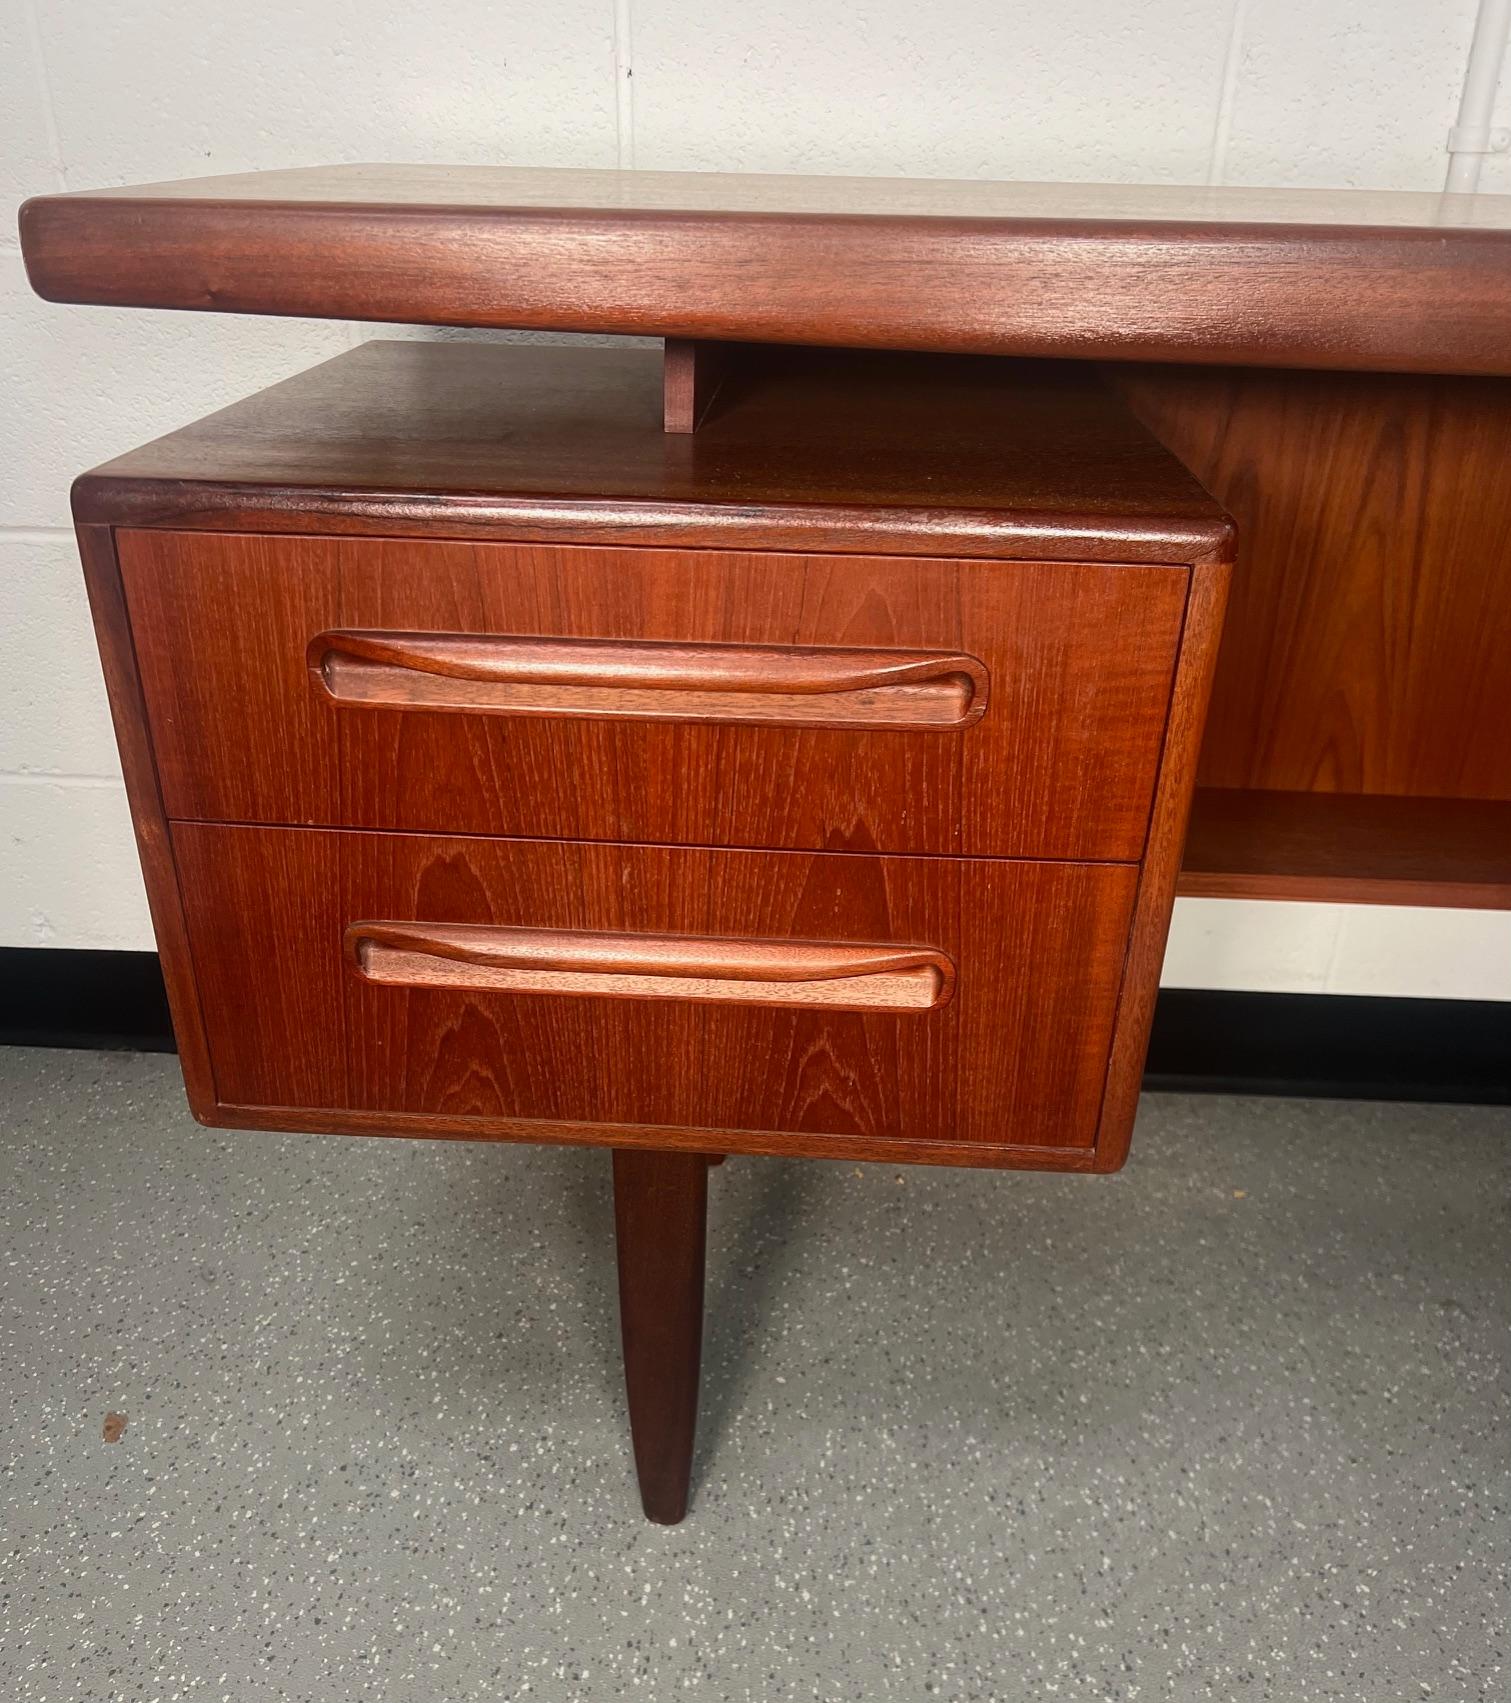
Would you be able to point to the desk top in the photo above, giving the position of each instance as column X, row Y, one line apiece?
column 1345, row 279
column 732, row 195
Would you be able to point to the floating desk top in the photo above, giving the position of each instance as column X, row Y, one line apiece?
column 1341, row 279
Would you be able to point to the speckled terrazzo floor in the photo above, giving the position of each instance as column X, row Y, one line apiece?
column 1232, row 1424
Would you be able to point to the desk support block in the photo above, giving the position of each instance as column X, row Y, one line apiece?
column 694, row 370
column 660, row 1221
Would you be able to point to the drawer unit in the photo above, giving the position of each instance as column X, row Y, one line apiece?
column 853, row 1004
column 819, row 794
column 739, row 698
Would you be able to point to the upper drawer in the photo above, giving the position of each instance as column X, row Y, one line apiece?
column 899, row 704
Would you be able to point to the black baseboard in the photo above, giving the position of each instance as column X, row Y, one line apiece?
column 1332, row 1045
column 109, row 1000
column 1260, row 1043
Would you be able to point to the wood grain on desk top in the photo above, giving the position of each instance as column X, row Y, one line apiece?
column 1350, row 279
column 902, row 454
column 740, row 195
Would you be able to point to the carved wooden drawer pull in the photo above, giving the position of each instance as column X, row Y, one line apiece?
column 816, row 686
column 836, row 975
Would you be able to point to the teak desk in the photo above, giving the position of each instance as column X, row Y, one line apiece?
column 768, row 749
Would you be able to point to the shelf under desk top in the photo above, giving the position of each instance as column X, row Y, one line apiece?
column 1367, row 280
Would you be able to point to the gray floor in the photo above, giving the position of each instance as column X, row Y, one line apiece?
column 1232, row 1424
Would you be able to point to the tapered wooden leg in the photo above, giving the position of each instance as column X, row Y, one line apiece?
column 661, row 1221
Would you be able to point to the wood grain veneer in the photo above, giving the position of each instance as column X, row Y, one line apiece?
column 1352, row 279
column 112, row 627
column 1368, row 647
column 1150, row 925
column 1348, row 848
column 1013, row 1064
column 837, row 450
column 1072, row 666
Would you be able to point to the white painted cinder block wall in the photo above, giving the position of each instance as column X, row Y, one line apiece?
column 96, row 92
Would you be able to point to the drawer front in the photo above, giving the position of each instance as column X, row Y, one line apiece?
column 668, row 697
column 811, row 995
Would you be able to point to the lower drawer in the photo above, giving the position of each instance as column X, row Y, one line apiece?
column 821, row 1003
